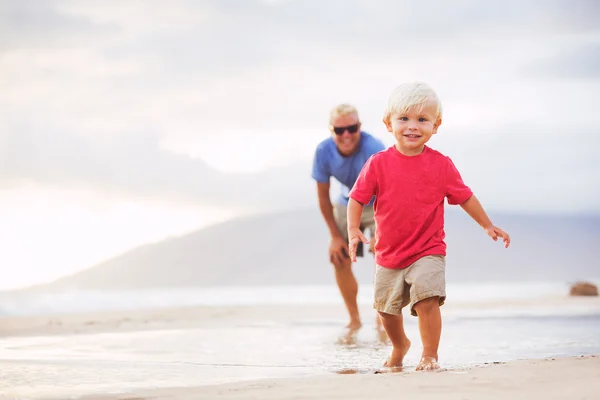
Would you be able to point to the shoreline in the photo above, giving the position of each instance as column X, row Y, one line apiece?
column 575, row 377
column 185, row 317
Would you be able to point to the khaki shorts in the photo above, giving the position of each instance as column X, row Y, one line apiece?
column 367, row 221
column 397, row 288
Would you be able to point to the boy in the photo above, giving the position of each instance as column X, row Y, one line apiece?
column 342, row 156
column 411, row 181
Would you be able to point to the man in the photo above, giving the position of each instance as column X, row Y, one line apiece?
column 342, row 156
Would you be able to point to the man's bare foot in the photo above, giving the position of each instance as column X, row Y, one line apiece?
column 382, row 336
column 354, row 326
column 395, row 359
column 350, row 332
column 428, row 363
column 381, row 333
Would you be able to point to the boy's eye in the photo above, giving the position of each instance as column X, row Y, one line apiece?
column 403, row 118
column 422, row 119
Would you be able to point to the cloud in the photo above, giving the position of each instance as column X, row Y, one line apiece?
column 29, row 24
column 579, row 63
column 90, row 91
column 135, row 166
column 508, row 166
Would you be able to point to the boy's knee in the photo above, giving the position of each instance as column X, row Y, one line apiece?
column 427, row 304
column 388, row 316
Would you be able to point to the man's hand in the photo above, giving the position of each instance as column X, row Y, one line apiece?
column 354, row 236
column 494, row 232
column 338, row 250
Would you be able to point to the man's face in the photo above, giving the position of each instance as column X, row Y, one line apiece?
column 345, row 130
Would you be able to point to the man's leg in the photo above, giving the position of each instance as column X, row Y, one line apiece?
column 344, row 276
column 368, row 220
column 349, row 289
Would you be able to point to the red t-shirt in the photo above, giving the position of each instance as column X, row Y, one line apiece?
column 409, row 208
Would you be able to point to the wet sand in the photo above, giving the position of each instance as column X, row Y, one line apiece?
column 566, row 378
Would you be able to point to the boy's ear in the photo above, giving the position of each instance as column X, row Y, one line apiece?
column 388, row 125
column 437, row 125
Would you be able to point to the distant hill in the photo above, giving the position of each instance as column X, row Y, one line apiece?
column 291, row 248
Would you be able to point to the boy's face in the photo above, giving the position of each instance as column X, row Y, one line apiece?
column 345, row 130
column 414, row 128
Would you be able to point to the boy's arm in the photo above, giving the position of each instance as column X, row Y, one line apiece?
column 355, row 235
column 474, row 208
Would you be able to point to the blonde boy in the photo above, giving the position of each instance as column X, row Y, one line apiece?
column 411, row 182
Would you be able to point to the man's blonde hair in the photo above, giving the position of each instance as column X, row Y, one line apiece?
column 341, row 110
column 413, row 94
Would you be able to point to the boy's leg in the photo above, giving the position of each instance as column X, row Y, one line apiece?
column 430, row 327
column 426, row 278
column 391, row 295
column 394, row 327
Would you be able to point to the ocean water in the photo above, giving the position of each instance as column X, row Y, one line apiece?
column 73, row 365
column 75, row 301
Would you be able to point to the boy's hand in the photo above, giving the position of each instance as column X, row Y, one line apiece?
column 354, row 236
column 494, row 232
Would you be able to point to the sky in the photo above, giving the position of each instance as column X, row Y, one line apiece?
column 126, row 122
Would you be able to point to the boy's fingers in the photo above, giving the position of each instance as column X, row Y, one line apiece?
column 352, row 248
column 363, row 238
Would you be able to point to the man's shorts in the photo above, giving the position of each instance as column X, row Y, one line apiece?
column 367, row 221
column 397, row 288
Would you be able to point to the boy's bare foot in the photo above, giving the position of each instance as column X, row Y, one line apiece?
column 395, row 359
column 428, row 363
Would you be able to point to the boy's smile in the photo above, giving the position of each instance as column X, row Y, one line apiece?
column 413, row 128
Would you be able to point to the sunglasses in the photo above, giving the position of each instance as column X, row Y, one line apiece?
column 339, row 130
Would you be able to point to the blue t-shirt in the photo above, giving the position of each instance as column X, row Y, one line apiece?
column 329, row 162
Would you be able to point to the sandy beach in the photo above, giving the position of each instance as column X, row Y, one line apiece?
column 491, row 350
column 567, row 378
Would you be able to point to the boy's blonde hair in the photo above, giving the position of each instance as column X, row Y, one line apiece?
column 341, row 110
column 408, row 95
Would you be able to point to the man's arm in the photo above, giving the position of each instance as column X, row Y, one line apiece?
column 327, row 209
column 338, row 248
column 474, row 208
